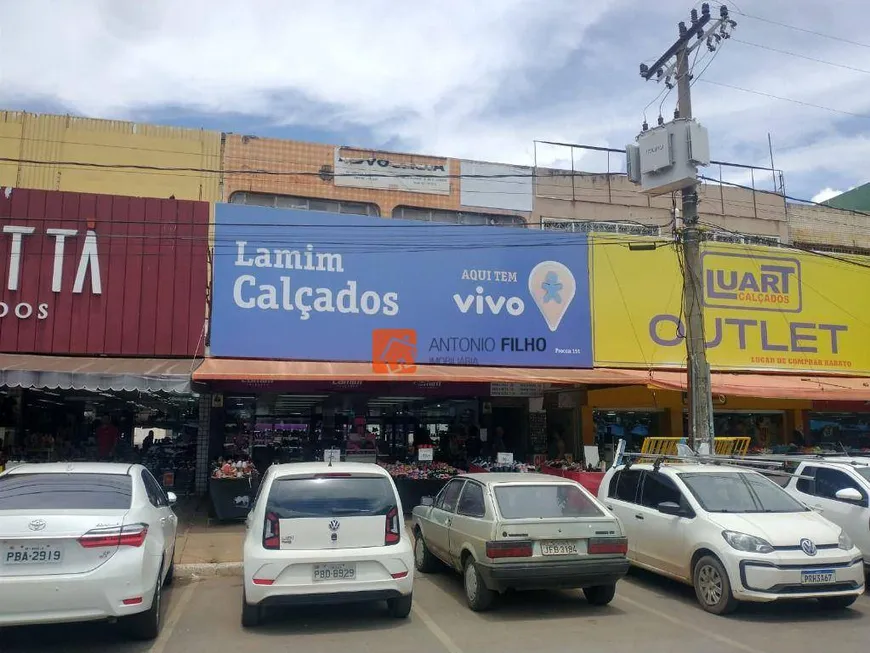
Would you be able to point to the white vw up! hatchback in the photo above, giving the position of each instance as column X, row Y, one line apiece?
column 326, row 533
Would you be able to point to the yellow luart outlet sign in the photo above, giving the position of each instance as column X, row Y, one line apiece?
column 765, row 308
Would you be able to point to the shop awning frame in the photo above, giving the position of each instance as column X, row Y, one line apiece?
column 251, row 370
column 773, row 386
column 766, row 386
column 97, row 374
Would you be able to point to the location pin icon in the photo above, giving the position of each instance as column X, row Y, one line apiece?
column 552, row 285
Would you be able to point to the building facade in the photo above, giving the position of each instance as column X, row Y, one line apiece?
column 57, row 153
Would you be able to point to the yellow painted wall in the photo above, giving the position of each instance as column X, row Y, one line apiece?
column 48, row 141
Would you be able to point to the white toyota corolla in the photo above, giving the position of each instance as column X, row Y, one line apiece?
column 733, row 534
column 83, row 542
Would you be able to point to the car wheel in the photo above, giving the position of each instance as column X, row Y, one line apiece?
column 712, row 586
column 424, row 561
column 251, row 614
column 400, row 607
column 477, row 594
column 837, row 602
column 600, row 594
column 145, row 626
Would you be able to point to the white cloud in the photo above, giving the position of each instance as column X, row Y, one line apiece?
column 828, row 193
column 477, row 79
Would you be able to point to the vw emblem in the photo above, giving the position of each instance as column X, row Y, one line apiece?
column 36, row 525
column 808, row 547
column 333, row 525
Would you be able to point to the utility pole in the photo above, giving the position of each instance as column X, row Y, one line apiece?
column 676, row 59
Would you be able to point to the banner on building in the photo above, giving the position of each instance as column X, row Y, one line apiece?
column 386, row 171
column 297, row 285
column 765, row 309
column 84, row 274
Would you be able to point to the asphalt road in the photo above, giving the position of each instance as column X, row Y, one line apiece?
column 648, row 612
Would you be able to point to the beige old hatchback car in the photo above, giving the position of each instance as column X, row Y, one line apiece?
column 520, row 531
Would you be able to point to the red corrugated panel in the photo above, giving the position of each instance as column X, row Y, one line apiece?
column 153, row 274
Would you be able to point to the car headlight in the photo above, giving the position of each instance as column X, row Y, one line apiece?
column 748, row 543
column 845, row 542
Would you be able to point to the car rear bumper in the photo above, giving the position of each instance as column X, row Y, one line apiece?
column 554, row 575
column 64, row 598
column 332, row 598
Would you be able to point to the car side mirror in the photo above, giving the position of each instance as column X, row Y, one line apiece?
column 427, row 501
column 670, row 508
column 171, row 498
column 849, row 494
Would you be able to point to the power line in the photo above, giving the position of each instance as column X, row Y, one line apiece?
column 785, row 99
column 803, row 56
column 801, row 29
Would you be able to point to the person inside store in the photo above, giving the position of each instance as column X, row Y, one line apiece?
column 798, row 440
column 557, row 445
column 498, row 445
column 107, row 438
column 148, row 442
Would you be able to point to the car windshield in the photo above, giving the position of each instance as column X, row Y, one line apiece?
column 740, row 492
column 544, row 502
column 294, row 498
column 65, row 492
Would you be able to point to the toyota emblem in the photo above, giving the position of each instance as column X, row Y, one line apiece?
column 333, row 525
column 808, row 547
column 36, row 525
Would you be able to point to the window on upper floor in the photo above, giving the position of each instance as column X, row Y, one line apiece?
column 304, row 203
column 591, row 226
column 456, row 217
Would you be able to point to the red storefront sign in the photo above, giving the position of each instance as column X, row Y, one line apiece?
column 102, row 274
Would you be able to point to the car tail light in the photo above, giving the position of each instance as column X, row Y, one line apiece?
column 129, row 535
column 134, row 601
column 608, row 545
column 333, row 475
column 391, row 532
column 512, row 549
column 263, row 581
column 272, row 532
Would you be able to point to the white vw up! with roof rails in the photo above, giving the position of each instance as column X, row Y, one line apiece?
column 322, row 533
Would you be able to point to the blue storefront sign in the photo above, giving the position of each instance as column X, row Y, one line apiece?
column 300, row 285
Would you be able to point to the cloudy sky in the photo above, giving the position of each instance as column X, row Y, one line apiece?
column 481, row 79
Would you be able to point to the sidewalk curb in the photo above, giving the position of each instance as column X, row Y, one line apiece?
column 205, row 570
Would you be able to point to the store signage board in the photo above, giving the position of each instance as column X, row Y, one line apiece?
column 765, row 308
column 383, row 171
column 92, row 274
column 425, row 454
column 396, row 293
column 517, row 389
column 332, row 455
column 504, row 458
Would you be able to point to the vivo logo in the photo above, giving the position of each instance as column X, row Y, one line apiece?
column 494, row 305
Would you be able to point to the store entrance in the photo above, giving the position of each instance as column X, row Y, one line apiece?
column 765, row 428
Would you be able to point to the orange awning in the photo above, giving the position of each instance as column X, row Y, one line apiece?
column 774, row 386
column 234, row 369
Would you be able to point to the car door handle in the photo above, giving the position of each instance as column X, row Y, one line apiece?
column 638, row 517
